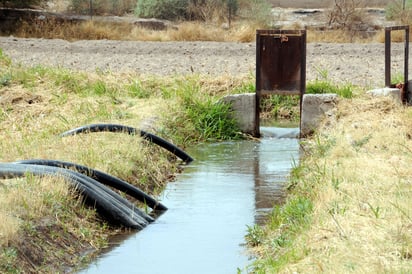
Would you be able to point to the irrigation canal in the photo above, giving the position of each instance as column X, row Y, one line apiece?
column 229, row 186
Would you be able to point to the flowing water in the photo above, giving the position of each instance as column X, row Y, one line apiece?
column 229, row 187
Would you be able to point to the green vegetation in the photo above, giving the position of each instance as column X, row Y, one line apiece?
column 205, row 120
column 162, row 9
column 322, row 85
column 102, row 7
column 281, row 107
column 21, row 3
column 397, row 78
column 257, row 11
column 254, row 235
column 400, row 10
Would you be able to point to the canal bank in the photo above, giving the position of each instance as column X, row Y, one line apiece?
column 349, row 204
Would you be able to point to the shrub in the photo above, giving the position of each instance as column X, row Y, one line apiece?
column 100, row 7
column 21, row 3
column 212, row 10
column 399, row 10
column 162, row 9
column 259, row 11
column 347, row 15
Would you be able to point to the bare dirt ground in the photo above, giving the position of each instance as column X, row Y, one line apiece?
column 359, row 64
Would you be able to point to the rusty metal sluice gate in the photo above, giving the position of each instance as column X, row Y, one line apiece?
column 280, row 65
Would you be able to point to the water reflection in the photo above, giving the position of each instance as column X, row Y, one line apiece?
column 228, row 187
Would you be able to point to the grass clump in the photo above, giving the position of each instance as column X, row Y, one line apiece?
column 322, row 85
column 197, row 116
column 280, row 107
column 212, row 120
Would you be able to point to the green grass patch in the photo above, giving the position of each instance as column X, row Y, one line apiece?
column 287, row 221
column 198, row 117
column 324, row 87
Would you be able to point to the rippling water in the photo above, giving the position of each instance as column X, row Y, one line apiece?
column 229, row 186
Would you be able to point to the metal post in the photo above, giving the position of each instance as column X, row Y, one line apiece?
column 405, row 96
column 91, row 9
column 387, row 57
column 258, row 86
column 406, row 67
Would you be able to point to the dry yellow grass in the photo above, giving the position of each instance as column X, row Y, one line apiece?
column 240, row 31
column 29, row 198
column 396, row 36
column 32, row 115
column 338, row 36
column 362, row 219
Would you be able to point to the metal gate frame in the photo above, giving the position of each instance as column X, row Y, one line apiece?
column 268, row 82
column 405, row 96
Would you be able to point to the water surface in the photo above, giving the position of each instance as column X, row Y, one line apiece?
column 229, row 186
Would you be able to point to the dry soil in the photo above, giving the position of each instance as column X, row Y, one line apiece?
column 359, row 64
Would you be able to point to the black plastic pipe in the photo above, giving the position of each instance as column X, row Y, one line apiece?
column 103, row 178
column 111, row 205
column 132, row 131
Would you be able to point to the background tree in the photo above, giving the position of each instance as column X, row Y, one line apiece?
column 22, row 3
column 232, row 6
column 162, row 9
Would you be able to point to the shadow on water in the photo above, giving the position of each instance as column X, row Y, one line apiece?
column 230, row 186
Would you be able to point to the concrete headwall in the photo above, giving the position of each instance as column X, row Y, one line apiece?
column 314, row 108
column 244, row 111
